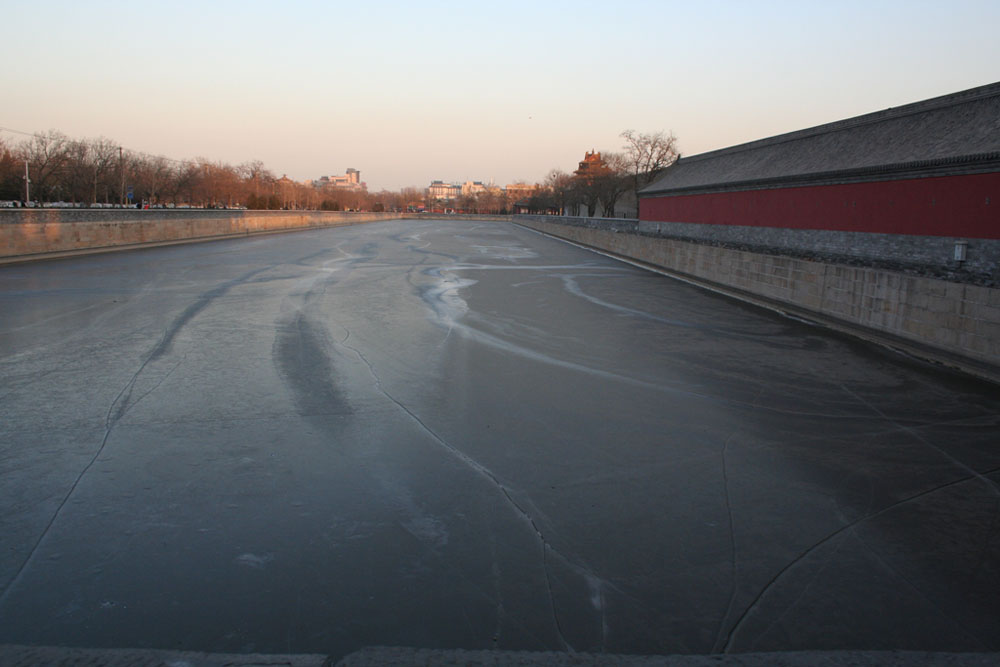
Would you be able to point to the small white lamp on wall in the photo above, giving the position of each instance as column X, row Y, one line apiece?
column 960, row 248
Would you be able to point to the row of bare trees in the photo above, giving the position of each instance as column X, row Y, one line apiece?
column 608, row 178
column 491, row 201
column 100, row 172
column 602, row 187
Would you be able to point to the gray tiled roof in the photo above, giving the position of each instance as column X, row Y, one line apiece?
column 962, row 128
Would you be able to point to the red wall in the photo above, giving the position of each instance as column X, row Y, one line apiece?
column 963, row 206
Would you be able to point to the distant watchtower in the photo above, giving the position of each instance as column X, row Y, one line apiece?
column 591, row 166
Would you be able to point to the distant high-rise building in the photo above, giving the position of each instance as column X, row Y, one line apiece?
column 350, row 181
column 473, row 188
column 443, row 191
column 519, row 191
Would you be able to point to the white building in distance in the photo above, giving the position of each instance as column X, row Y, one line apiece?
column 349, row 181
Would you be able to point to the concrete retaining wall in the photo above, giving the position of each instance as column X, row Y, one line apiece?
column 955, row 323
column 36, row 233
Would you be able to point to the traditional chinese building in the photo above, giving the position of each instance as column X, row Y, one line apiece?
column 931, row 168
column 591, row 166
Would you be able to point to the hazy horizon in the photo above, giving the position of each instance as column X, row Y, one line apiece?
column 412, row 93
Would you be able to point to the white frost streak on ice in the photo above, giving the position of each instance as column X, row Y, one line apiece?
column 324, row 270
column 254, row 561
column 427, row 529
column 505, row 252
column 444, row 298
column 450, row 307
column 596, row 585
column 533, row 267
column 574, row 288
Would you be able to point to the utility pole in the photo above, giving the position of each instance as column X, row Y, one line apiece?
column 27, row 184
column 121, row 169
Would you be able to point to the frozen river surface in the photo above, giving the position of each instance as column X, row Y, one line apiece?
column 451, row 434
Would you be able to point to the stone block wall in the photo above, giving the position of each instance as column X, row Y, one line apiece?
column 35, row 233
column 955, row 323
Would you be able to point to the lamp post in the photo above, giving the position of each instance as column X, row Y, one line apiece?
column 27, row 184
column 121, row 169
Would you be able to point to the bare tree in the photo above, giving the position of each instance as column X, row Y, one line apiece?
column 11, row 173
column 151, row 176
column 102, row 157
column 647, row 155
column 560, row 184
column 220, row 184
column 412, row 197
column 188, row 184
column 539, row 201
column 46, row 155
column 612, row 182
column 90, row 171
column 76, row 172
column 491, row 201
column 258, row 176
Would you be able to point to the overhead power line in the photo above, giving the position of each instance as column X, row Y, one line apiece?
column 27, row 134
column 143, row 153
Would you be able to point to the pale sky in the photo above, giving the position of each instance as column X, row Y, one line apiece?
column 408, row 92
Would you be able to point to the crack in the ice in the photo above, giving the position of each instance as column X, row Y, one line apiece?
column 994, row 486
column 156, row 386
column 484, row 472
column 734, row 558
column 166, row 341
column 548, row 582
column 795, row 561
column 805, row 589
column 37, row 348
column 716, row 647
column 497, row 589
column 801, row 594
column 944, row 614
column 110, row 419
column 854, row 533
column 46, row 320
column 990, row 532
column 121, row 405
column 31, row 379
column 959, row 422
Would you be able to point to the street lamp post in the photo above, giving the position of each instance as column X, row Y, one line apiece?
column 121, row 169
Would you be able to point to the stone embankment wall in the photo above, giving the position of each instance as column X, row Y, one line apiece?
column 37, row 233
column 906, row 292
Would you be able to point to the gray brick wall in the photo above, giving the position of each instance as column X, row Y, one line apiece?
column 918, row 255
